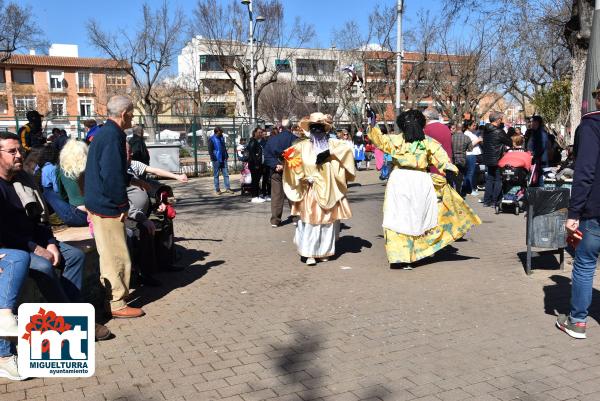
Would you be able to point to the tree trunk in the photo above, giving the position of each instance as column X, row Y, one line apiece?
column 149, row 127
column 578, row 63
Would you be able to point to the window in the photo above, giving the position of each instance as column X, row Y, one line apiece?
column 182, row 107
column 56, row 80
column 57, row 105
column 84, row 80
column 118, row 78
column 218, row 109
column 86, row 107
column 283, row 65
column 3, row 106
column 23, row 104
column 2, row 81
column 314, row 67
column 215, row 63
column 218, row 86
column 22, row 76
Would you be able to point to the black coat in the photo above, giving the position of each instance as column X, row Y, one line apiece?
column 494, row 141
column 255, row 154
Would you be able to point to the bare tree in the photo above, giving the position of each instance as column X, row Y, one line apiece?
column 18, row 29
column 224, row 24
column 278, row 102
column 149, row 51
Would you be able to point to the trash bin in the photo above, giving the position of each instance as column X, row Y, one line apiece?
column 546, row 216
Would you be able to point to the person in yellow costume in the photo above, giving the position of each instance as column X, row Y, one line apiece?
column 316, row 173
column 421, row 213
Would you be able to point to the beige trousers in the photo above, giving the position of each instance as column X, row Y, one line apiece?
column 115, row 263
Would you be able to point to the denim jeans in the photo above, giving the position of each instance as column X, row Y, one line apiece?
column 493, row 186
column 222, row 167
column 469, row 183
column 68, row 213
column 67, row 288
column 13, row 272
column 584, row 267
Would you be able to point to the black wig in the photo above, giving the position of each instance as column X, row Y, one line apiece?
column 411, row 123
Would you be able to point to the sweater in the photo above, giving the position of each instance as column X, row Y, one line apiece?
column 106, row 178
column 585, row 192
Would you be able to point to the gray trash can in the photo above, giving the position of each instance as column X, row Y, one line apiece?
column 546, row 216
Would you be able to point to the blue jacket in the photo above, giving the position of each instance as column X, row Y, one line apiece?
column 275, row 147
column 538, row 146
column 217, row 149
column 585, row 193
column 106, row 177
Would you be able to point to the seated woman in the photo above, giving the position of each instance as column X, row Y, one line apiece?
column 415, row 223
column 68, row 202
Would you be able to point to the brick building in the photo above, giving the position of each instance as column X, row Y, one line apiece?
column 62, row 86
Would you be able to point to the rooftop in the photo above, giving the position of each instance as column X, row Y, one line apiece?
column 54, row 61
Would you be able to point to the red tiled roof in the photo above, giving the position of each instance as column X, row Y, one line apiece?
column 55, row 61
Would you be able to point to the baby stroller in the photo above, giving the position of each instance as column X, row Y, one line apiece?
column 514, row 168
column 246, row 180
column 162, row 213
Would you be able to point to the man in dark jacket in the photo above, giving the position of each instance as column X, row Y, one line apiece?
column 139, row 151
column 273, row 160
column 31, row 135
column 494, row 142
column 218, row 157
column 255, row 162
column 583, row 221
column 106, row 182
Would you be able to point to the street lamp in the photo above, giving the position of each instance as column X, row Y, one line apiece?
column 252, row 24
column 399, row 50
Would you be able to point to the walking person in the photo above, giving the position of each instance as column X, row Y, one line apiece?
column 255, row 163
column 265, row 177
column 461, row 144
column 359, row 150
column 105, row 194
column 218, row 157
column 415, row 224
column 495, row 141
column 538, row 145
column 440, row 132
column 274, row 161
column 315, row 179
column 583, row 222
column 470, row 182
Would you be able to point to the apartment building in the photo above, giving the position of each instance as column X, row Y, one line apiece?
column 315, row 77
column 62, row 86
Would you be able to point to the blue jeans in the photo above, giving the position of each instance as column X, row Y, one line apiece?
column 584, row 267
column 67, row 288
column 493, row 186
column 13, row 272
column 68, row 213
column 469, row 183
column 222, row 167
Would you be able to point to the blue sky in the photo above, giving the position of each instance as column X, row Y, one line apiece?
column 63, row 21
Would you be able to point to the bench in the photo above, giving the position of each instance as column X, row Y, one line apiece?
column 92, row 291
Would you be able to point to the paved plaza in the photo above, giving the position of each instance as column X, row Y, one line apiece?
column 247, row 321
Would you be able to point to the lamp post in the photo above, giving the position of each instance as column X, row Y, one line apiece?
column 400, row 10
column 248, row 3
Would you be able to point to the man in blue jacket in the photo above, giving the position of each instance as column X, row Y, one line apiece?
column 273, row 160
column 583, row 221
column 218, row 157
column 106, row 182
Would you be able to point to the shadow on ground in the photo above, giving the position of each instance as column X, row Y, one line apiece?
column 558, row 295
column 542, row 260
column 299, row 361
column 190, row 269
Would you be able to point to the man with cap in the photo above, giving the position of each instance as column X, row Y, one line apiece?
column 583, row 221
column 30, row 135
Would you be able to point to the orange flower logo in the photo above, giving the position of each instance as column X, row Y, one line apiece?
column 292, row 158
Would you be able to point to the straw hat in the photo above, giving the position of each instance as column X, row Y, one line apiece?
column 316, row 118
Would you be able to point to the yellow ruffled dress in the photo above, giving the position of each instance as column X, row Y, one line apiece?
column 454, row 217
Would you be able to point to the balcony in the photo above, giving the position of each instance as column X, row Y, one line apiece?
column 2, row 86
column 85, row 90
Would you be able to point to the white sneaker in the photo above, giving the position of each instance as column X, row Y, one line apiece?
column 324, row 259
column 257, row 200
column 9, row 368
column 8, row 325
column 480, row 201
column 311, row 261
column 268, row 199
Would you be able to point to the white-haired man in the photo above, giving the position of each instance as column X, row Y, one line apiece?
column 106, row 182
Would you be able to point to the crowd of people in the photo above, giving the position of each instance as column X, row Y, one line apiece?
column 100, row 183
